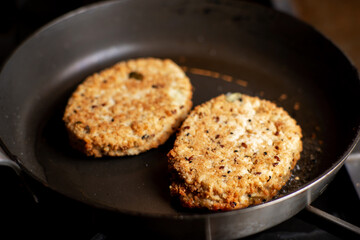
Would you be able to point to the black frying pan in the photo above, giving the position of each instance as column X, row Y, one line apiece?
column 256, row 50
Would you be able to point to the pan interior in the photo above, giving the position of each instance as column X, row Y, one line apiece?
column 140, row 183
column 259, row 52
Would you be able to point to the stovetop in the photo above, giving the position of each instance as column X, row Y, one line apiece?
column 57, row 217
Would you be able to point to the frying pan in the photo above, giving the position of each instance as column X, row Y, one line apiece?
column 253, row 50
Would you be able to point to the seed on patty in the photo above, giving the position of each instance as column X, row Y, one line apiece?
column 136, row 75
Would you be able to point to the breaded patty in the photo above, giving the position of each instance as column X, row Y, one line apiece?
column 128, row 108
column 233, row 151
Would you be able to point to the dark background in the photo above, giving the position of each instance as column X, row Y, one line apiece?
column 20, row 18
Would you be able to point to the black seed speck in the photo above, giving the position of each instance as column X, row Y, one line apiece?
column 136, row 75
column 87, row 129
column 268, row 179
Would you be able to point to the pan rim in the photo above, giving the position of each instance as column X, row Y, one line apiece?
column 59, row 19
column 85, row 9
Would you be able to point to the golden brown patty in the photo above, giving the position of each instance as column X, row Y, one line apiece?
column 233, row 151
column 128, row 108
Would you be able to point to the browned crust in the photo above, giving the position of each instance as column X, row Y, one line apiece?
column 128, row 108
column 229, row 155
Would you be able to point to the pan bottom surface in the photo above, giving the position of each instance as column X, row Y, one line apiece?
column 140, row 184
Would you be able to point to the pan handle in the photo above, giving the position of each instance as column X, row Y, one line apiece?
column 7, row 162
column 333, row 219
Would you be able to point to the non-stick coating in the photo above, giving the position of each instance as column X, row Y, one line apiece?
column 272, row 52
